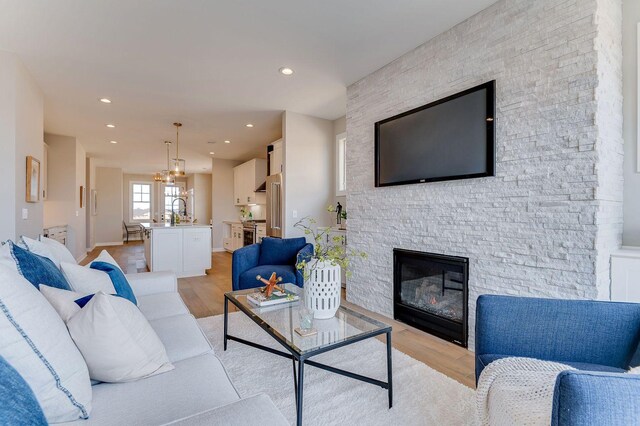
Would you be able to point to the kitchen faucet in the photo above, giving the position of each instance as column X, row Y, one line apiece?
column 173, row 215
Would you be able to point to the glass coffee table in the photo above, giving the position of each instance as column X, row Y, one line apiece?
column 280, row 321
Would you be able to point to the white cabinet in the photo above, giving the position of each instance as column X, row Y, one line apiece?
column 261, row 232
column 185, row 250
column 166, row 250
column 246, row 178
column 625, row 269
column 196, row 252
column 236, row 236
column 276, row 158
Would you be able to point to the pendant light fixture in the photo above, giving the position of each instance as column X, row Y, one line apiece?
column 166, row 176
column 178, row 166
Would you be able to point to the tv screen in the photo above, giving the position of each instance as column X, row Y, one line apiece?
column 452, row 138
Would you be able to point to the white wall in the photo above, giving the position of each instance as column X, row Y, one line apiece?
column 29, row 136
column 308, row 165
column 546, row 223
column 630, row 19
column 201, row 185
column 109, row 218
column 21, row 132
column 222, row 203
column 66, row 173
column 339, row 127
column 90, row 176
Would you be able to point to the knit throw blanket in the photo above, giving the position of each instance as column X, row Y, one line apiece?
column 517, row 391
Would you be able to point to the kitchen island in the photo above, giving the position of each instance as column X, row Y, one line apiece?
column 184, row 248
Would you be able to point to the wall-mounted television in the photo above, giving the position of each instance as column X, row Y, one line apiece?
column 451, row 138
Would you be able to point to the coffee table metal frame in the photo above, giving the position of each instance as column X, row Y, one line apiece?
column 303, row 358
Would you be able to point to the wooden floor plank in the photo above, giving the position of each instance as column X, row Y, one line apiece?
column 204, row 296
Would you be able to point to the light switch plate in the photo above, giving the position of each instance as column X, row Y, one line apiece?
column 294, row 213
column 25, row 214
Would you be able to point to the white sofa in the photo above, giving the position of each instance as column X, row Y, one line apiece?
column 197, row 392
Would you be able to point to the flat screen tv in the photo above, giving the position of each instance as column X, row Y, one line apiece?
column 452, row 138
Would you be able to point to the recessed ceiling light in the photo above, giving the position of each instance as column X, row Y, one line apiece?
column 211, row 152
column 249, row 125
column 227, row 141
column 113, row 142
column 105, row 100
column 286, row 71
column 111, row 126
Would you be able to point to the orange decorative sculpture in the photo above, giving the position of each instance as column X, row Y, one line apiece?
column 270, row 284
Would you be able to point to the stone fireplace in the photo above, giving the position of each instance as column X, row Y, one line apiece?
column 546, row 223
column 431, row 293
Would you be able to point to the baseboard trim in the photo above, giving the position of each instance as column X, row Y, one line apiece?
column 116, row 243
column 217, row 249
column 81, row 258
column 90, row 249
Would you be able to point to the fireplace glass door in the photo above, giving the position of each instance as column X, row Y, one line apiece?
column 430, row 291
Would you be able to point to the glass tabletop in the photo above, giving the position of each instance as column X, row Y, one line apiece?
column 282, row 320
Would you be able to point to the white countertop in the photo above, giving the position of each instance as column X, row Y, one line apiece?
column 232, row 222
column 153, row 226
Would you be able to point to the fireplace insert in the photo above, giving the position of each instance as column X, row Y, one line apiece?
column 430, row 292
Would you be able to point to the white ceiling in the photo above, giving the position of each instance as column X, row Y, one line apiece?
column 213, row 65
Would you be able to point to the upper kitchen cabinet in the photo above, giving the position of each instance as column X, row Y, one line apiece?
column 247, row 177
column 275, row 157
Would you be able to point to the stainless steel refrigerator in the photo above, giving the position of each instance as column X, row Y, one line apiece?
column 275, row 200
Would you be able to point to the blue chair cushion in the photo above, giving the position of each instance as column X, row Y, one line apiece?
column 248, row 278
column 280, row 251
column 18, row 404
column 38, row 269
column 486, row 359
column 120, row 283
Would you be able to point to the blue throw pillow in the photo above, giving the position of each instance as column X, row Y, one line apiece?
column 280, row 251
column 38, row 269
column 81, row 302
column 118, row 279
column 18, row 404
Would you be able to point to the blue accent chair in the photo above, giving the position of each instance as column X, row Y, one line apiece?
column 278, row 255
column 599, row 339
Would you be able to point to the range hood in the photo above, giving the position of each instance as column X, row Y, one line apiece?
column 263, row 187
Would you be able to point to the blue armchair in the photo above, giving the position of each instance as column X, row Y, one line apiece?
column 278, row 255
column 599, row 339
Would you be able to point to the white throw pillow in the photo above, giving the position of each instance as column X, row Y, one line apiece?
column 34, row 340
column 105, row 257
column 41, row 249
column 60, row 251
column 117, row 341
column 63, row 301
column 85, row 280
column 6, row 258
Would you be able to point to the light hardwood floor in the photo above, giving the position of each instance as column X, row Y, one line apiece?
column 205, row 297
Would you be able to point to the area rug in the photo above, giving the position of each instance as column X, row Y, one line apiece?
column 422, row 396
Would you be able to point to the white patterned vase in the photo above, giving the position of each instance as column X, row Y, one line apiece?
column 322, row 289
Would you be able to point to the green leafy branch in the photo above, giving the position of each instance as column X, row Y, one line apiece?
column 326, row 250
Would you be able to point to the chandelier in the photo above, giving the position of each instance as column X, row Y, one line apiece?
column 166, row 176
column 178, row 164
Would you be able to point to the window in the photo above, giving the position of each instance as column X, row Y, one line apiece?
column 170, row 194
column 140, row 202
column 341, row 164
